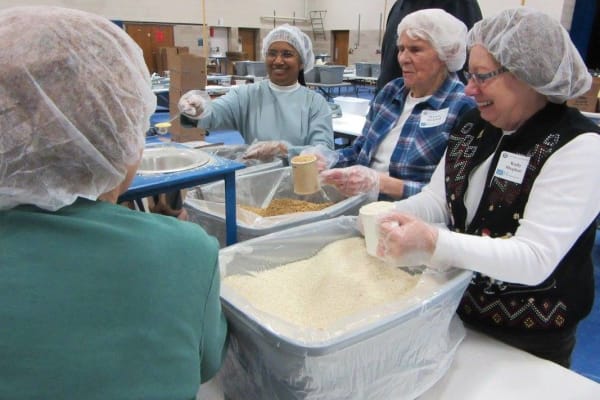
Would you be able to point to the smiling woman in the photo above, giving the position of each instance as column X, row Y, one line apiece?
column 283, row 64
column 517, row 190
column 410, row 119
column 278, row 117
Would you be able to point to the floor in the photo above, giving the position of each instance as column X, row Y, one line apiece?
column 586, row 360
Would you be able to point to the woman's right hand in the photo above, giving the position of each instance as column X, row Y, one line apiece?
column 194, row 103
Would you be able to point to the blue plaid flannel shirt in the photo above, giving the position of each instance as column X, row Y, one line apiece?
column 418, row 150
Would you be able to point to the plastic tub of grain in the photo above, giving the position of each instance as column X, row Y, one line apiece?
column 266, row 204
column 312, row 316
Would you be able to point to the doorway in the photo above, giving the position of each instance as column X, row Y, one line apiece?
column 341, row 40
column 150, row 37
column 248, row 37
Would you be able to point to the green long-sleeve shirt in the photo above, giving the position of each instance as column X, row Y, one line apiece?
column 101, row 302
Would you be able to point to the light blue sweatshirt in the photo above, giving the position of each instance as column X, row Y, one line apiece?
column 263, row 111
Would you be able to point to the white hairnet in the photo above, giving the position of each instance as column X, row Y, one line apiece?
column 75, row 102
column 295, row 37
column 537, row 49
column 446, row 33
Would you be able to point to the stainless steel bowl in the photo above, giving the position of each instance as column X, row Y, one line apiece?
column 167, row 159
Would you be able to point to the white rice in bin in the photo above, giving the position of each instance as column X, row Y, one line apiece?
column 339, row 281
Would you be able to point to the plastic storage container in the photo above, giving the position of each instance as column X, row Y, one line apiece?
column 256, row 68
column 393, row 351
column 241, row 68
column 206, row 204
column 375, row 70
column 331, row 74
column 312, row 76
column 362, row 69
column 352, row 105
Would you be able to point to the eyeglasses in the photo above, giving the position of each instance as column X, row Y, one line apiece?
column 285, row 54
column 480, row 79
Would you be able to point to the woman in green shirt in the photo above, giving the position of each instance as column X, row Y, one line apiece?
column 98, row 301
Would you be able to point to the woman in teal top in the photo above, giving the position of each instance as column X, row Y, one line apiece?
column 98, row 301
column 279, row 116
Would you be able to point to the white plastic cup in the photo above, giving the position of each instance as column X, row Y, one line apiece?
column 368, row 216
column 239, row 82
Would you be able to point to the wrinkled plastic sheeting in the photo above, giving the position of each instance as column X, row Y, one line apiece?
column 395, row 351
column 257, row 190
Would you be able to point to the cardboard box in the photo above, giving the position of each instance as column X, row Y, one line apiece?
column 236, row 55
column 163, row 55
column 187, row 71
column 178, row 132
column 181, row 134
column 589, row 101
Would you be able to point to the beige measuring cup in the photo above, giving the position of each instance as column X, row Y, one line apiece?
column 305, row 174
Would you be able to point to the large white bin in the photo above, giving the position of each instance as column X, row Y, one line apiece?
column 352, row 105
column 395, row 351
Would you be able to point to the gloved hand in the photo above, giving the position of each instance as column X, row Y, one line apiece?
column 267, row 150
column 405, row 240
column 326, row 158
column 353, row 180
column 194, row 104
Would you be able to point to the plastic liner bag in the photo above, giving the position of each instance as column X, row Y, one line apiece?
column 205, row 204
column 236, row 152
column 396, row 350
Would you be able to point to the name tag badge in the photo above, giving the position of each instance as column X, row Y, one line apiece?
column 431, row 118
column 511, row 167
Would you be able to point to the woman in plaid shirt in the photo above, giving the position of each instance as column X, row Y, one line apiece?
column 409, row 121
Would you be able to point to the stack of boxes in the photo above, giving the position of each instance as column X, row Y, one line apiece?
column 589, row 101
column 163, row 54
column 187, row 72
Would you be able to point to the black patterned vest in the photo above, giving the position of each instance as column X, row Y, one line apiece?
column 567, row 295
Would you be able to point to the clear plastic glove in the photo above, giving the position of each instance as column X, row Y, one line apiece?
column 353, row 180
column 266, row 150
column 326, row 158
column 194, row 104
column 405, row 240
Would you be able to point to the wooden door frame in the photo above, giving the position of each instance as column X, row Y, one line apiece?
column 334, row 44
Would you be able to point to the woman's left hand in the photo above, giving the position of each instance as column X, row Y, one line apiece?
column 352, row 180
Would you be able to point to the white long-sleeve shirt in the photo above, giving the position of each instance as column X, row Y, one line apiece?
column 564, row 200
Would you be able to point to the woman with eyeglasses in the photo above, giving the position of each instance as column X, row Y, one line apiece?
column 278, row 116
column 410, row 119
column 517, row 189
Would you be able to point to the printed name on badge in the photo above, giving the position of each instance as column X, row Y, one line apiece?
column 511, row 167
column 431, row 118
